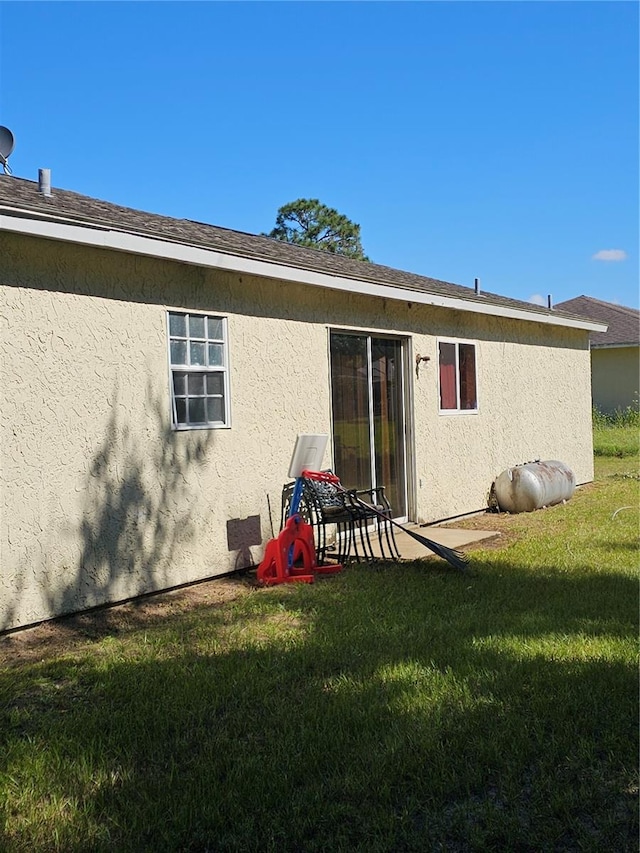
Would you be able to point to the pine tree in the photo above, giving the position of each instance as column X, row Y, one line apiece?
column 307, row 222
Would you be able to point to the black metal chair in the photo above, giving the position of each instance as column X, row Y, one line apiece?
column 353, row 513
column 322, row 510
column 377, row 512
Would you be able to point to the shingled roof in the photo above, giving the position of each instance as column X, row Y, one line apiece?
column 624, row 323
column 20, row 198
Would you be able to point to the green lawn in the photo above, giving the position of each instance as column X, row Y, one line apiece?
column 390, row 708
column 616, row 434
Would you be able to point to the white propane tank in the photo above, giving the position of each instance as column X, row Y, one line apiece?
column 534, row 485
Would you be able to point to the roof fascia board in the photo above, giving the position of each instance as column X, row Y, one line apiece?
column 630, row 345
column 123, row 241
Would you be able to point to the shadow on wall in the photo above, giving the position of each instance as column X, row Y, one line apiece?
column 137, row 508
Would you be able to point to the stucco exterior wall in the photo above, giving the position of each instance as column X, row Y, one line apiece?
column 101, row 500
column 615, row 377
column 533, row 403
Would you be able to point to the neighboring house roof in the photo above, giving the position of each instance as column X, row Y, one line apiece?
column 76, row 218
column 623, row 322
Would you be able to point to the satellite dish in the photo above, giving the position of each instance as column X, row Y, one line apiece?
column 6, row 147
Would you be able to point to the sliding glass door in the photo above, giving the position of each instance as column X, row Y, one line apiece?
column 368, row 398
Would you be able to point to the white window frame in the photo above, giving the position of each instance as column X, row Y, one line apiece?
column 194, row 369
column 456, row 342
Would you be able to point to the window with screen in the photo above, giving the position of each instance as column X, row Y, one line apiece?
column 457, row 376
column 199, row 370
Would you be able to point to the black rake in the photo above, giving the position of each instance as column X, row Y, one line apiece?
column 456, row 559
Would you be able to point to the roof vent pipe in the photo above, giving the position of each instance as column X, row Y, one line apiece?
column 477, row 285
column 549, row 305
column 44, row 182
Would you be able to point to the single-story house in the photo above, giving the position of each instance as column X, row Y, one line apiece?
column 615, row 354
column 156, row 373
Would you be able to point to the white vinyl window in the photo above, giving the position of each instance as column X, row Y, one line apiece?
column 199, row 371
column 457, row 377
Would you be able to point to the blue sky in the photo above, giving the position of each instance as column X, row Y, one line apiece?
column 468, row 139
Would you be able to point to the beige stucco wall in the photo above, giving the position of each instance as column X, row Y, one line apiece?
column 101, row 500
column 534, row 403
column 614, row 377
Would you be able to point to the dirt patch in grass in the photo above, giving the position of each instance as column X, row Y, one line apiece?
column 67, row 634
column 503, row 538
column 509, row 527
column 502, row 523
column 64, row 635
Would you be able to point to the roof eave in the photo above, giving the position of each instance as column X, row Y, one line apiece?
column 628, row 345
column 122, row 241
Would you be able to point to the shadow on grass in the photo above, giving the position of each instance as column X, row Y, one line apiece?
column 388, row 709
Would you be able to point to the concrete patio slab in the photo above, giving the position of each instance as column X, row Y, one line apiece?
column 451, row 537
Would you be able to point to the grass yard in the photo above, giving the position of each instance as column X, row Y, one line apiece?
column 616, row 434
column 390, row 708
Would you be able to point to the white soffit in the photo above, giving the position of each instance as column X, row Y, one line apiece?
column 122, row 241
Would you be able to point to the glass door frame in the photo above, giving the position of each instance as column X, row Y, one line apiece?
column 406, row 390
